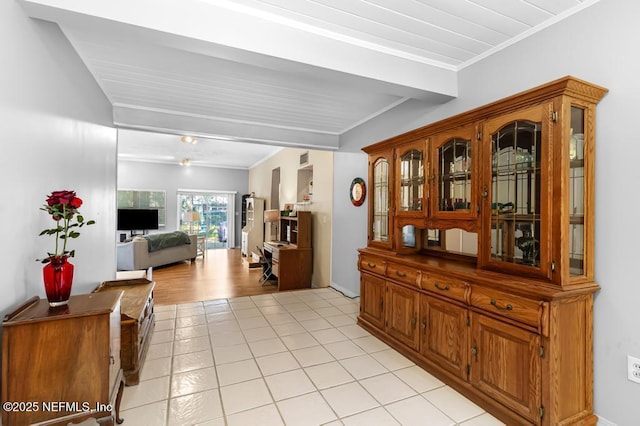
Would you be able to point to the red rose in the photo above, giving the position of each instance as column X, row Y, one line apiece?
column 61, row 197
column 76, row 202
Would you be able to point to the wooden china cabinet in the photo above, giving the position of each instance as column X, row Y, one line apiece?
column 479, row 262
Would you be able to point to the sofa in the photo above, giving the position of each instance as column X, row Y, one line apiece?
column 147, row 251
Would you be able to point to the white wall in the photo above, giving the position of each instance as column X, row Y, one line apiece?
column 137, row 175
column 288, row 160
column 600, row 45
column 56, row 134
column 349, row 222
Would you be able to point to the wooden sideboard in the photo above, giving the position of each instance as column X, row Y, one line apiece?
column 62, row 365
column 138, row 321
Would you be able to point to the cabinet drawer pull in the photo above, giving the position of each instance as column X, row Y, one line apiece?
column 508, row 306
column 474, row 352
column 401, row 274
column 439, row 287
column 371, row 265
column 424, row 323
column 414, row 320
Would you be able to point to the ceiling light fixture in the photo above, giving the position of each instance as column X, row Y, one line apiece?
column 189, row 139
column 185, row 162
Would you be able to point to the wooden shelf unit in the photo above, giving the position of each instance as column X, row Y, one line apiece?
column 510, row 327
column 292, row 256
column 253, row 231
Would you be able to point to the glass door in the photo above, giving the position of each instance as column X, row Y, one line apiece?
column 517, row 195
column 452, row 190
column 379, row 204
column 577, row 192
column 209, row 215
column 411, row 180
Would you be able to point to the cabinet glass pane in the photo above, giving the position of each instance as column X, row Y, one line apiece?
column 576, row 192
column 411, row 181
column 409, row 236
column 515, row 193
column 380, row 200
column 454, row 175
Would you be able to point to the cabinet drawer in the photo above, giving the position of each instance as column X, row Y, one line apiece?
column 403, row 274
column 518, row 308
column 275, row 254
column 447, row 287
column 372, row 264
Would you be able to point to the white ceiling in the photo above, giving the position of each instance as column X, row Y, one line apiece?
column 278, row 72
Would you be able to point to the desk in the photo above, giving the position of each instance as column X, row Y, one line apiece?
column 292, row 265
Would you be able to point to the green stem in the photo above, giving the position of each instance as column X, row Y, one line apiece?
column 57, row 237
column 66, row 228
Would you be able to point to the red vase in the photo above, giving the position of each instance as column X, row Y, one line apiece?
column 58, row 277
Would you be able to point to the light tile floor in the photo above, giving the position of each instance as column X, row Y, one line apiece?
column 295, row 358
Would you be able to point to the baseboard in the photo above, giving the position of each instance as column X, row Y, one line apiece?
column 345, row 291
column 604, row 422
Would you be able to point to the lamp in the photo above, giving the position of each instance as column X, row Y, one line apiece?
column 271, row 216
column 191, row 217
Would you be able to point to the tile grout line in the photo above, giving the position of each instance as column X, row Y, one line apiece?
column 282, row 304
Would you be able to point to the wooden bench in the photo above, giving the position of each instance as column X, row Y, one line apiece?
column 137, row 323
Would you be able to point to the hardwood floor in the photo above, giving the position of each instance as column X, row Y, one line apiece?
column 222, row 274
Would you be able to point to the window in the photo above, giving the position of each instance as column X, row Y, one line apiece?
column 137, row 199
column 213, row 219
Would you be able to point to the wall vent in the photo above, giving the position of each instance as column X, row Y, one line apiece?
column 304, row 158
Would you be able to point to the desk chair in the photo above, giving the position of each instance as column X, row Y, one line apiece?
column 267, row 273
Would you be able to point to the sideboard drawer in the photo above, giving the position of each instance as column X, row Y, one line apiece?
column 403, row 274
column 447, row 287
column 372, row 264
column 510, row 306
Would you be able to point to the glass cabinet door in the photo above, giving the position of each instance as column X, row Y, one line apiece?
column 380, row 173
column 519, row 175
column 452, row 167
column 380, row 200
column 577, row 190
column 411, row 179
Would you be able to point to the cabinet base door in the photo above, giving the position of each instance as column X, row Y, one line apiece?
column 505, row 363
column 402, row 314
column 372, row 300
column 443, row 334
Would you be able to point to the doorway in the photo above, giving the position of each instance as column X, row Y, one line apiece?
column 209, row 214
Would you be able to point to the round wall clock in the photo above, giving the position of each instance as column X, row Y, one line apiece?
column 357, row 192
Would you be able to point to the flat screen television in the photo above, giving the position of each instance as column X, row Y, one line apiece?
column 137, row 219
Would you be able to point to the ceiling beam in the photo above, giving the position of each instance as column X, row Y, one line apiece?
column 272, row 41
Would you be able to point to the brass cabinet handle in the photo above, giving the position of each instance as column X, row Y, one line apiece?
column 485, row 192
column 414, row 320
column 439, row 287
column 401, row 274
column 371, row 265
column 474, row 352
column 507, row 307
column 424, row 324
